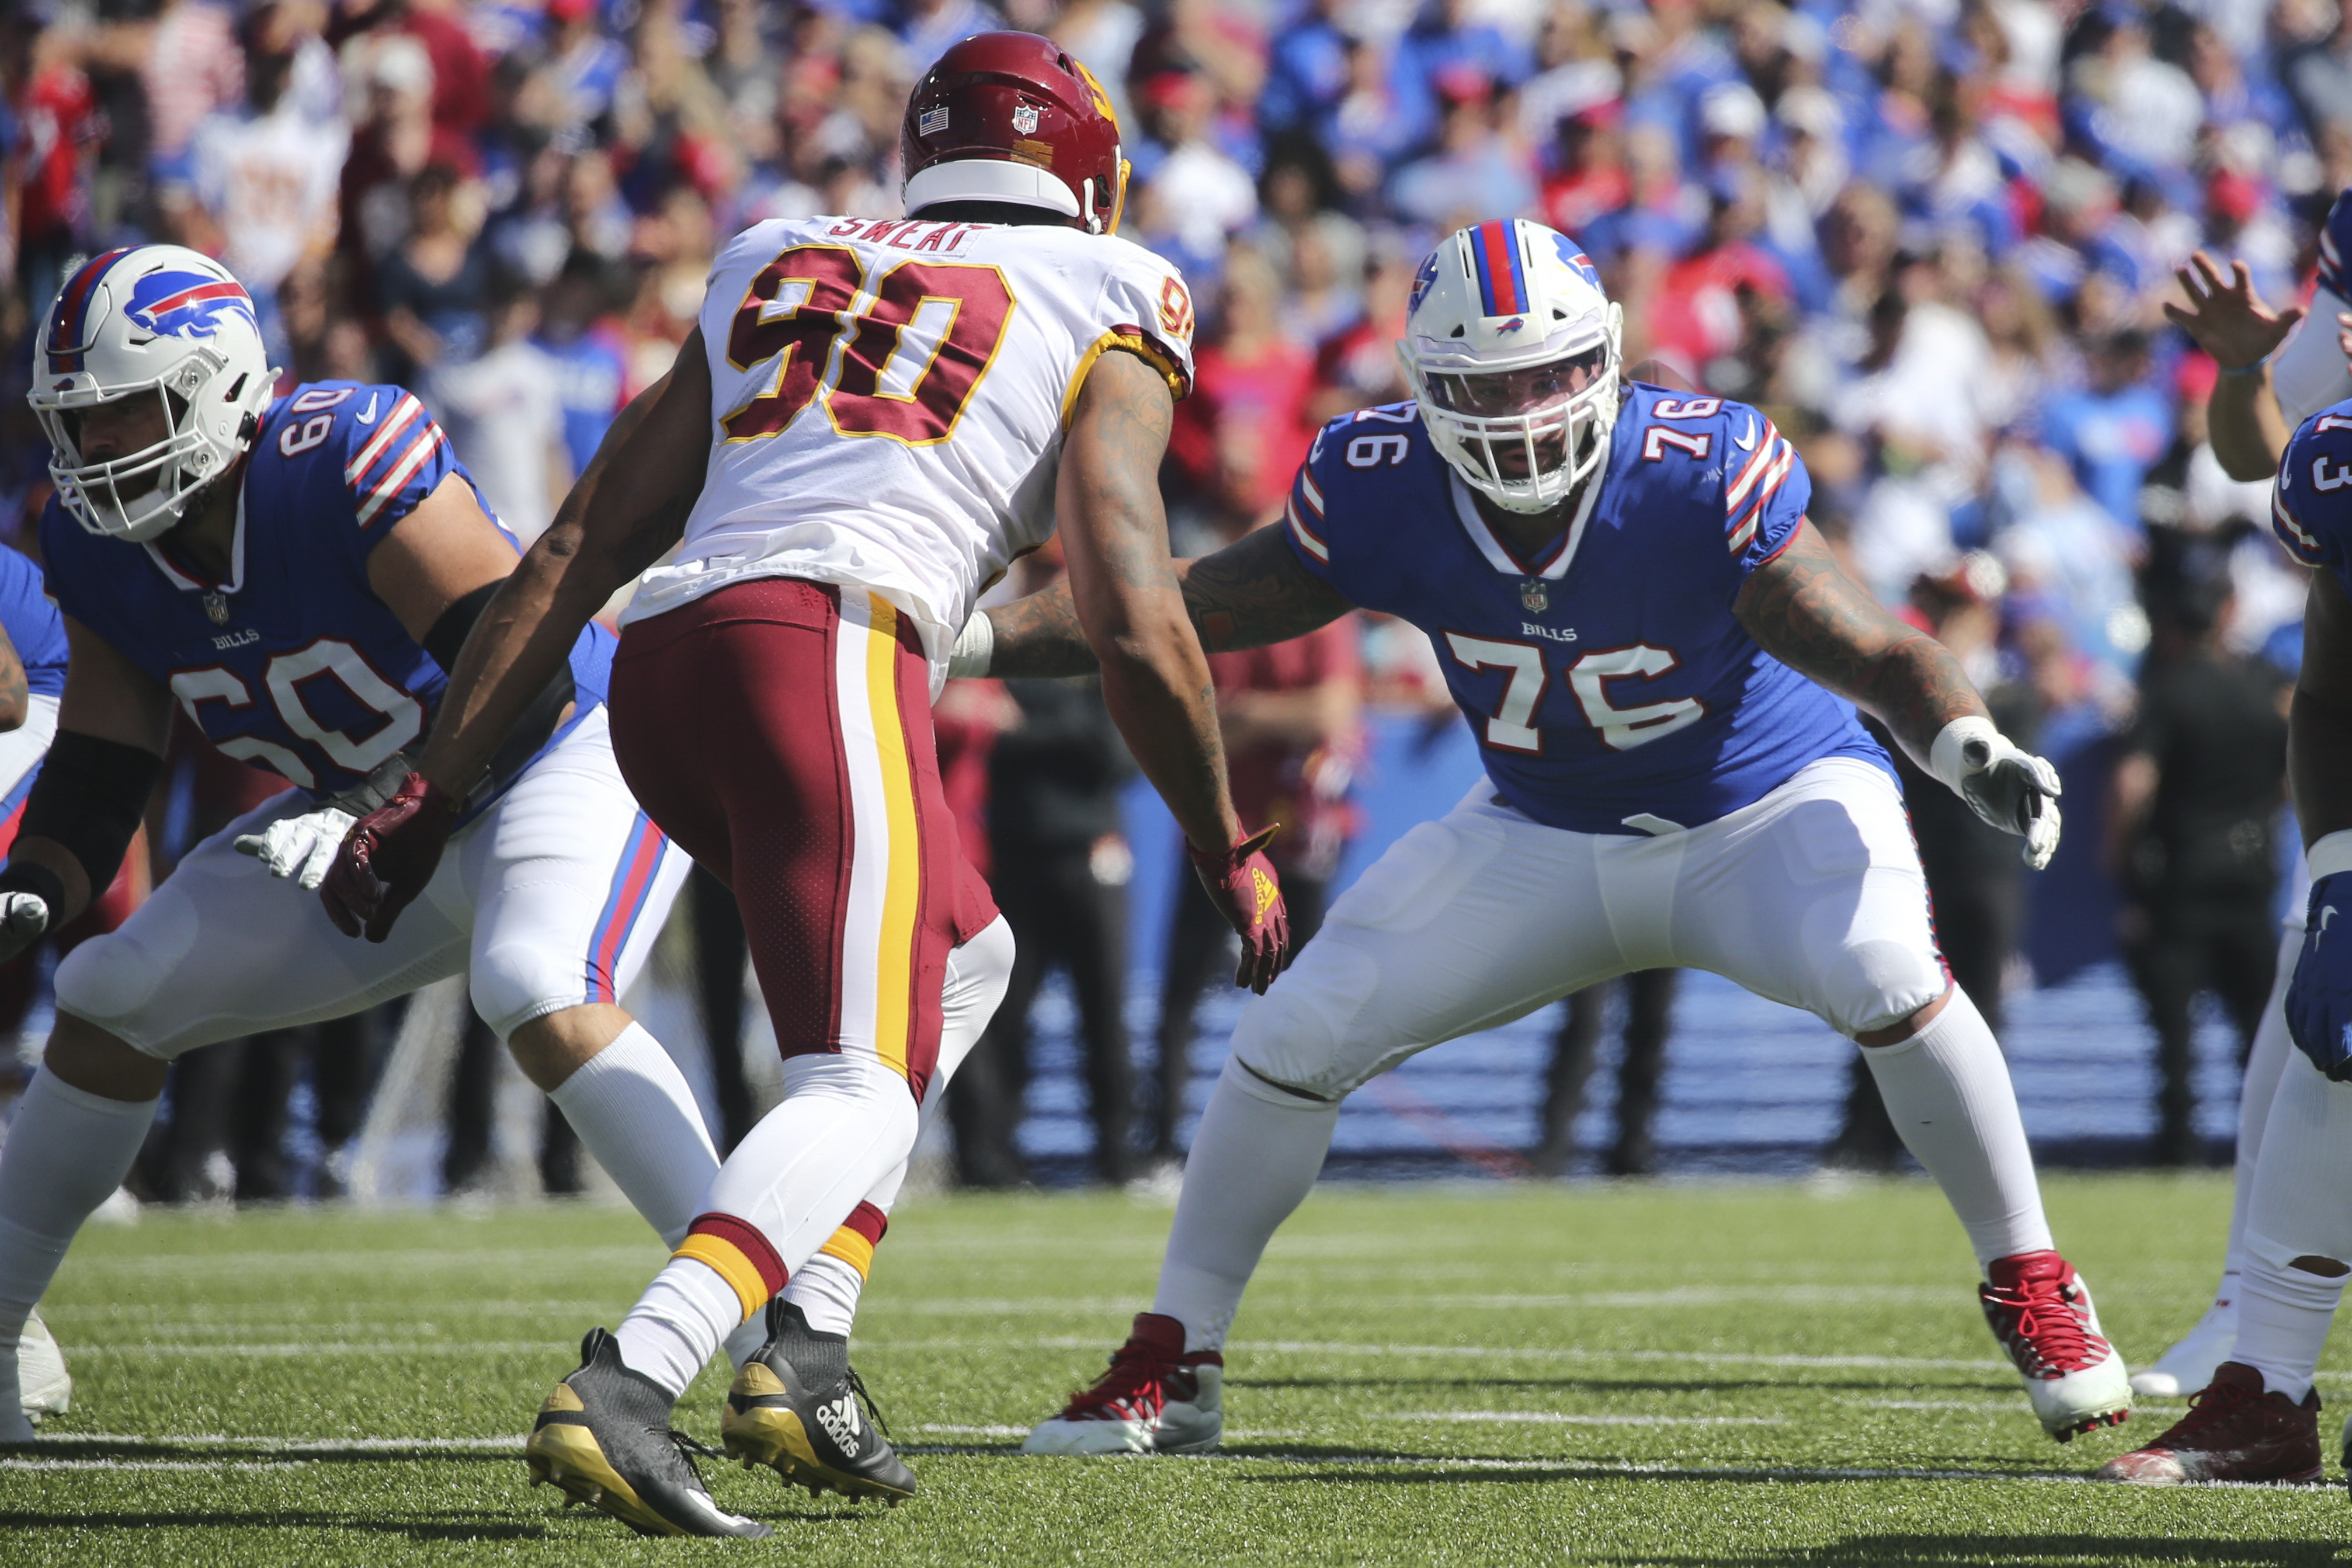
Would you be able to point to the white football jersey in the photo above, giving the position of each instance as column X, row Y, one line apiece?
column 889, row 400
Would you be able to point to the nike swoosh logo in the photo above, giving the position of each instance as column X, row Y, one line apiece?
column 1747, row 443
column 2325, row 915
column 368, row 416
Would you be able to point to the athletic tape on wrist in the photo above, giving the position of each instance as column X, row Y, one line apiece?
column 974, row 645
column 1948, row 759
column 2331, row 854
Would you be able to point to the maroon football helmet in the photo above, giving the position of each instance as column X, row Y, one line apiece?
column 1011, row 116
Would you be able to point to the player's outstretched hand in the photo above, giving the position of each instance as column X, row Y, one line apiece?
column 24, row 918
column 2319, row 998
column 2226, row 316
column 1242, row 884
column 2009, row 787
column 300, row 847
column 388, row 857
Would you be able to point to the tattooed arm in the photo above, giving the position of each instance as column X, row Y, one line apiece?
column 1807, row 614
column 1123, row 605
column 1247, row 595
column 15, row 699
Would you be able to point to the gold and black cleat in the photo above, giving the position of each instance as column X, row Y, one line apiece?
column 799, row 1408
column 604, row 1436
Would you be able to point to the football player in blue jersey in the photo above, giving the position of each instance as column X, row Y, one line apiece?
column 2279, row 411
column 2278, row 369
column 32, row 678
column 295, row 573
column 1661, row 660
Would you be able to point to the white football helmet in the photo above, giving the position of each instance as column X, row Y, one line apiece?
column 160, row 321
column 1513, row 353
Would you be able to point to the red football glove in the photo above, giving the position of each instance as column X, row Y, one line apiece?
column 388, row 857
column 1242, row 884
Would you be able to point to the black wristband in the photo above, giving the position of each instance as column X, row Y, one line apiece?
column 31, row 876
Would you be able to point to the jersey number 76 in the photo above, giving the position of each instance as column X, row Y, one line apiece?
column 908, row 361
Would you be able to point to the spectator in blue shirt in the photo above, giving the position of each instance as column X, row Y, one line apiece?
column 2112, row 431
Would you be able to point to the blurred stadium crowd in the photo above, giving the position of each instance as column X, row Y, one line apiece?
column 1931, row 238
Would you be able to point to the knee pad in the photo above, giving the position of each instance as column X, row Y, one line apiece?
column 512, row 983
column 1875, row 983
column 978, row 974
column 113, row 980
column 1297, row 1036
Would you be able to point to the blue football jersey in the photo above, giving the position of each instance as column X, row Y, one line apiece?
column 2335, row 247
column 1612, row 689
column 34, row 628
column 292, row 664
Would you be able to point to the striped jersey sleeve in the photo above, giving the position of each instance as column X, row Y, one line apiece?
column 1302, row 520
column 2310, row 500
column 2335, row 247
column 391, row 461
column 1766, row 489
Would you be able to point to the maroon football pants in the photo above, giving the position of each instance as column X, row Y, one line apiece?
column 779, row 731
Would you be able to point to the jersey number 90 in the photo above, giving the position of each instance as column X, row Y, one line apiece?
column 907, row 362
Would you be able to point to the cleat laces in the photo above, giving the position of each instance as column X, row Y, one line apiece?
column 2045, row 1334
column 2211, row 1407
column 857, row 1386
column 1130, row 1390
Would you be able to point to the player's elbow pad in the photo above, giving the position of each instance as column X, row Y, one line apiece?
column 90, row 797
column 537, row 722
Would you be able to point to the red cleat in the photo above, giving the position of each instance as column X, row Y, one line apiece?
column 1155, row 1399
column 2040, row 1311
column 2233, row 1432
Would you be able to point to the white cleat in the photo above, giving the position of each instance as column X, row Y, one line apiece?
column 2041, row 1311
column 2192, row 1361
column 44, row 1385
column 1155, row 1399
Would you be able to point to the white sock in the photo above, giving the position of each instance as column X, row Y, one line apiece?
column 844, row 1122
column 1253, row 1160
column 635, row 1112
column 2264, row 1062
column 826, row 1289
column 2284, row 1314
column 1948, row 1091
column 2300, row 1207
column 67, row 1152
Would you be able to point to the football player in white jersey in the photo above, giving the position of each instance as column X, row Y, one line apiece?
column 2284, row 1267
column 871, row 420
column 1661, row 658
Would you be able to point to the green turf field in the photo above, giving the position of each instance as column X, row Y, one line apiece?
column 1744, row 1375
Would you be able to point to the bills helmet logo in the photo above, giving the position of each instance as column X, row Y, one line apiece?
column 187, row 304
column 1422, row 280
column 1513, row 325
column 1571, row 256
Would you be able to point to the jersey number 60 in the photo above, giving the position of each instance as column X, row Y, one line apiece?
column 909, row 361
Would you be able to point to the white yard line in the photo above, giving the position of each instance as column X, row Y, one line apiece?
column 1551, row 1418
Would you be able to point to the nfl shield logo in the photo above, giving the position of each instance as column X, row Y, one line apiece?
column 1534, row 596
column 1024, row 119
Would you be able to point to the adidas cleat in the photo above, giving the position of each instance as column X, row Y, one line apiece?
column 795, row 1407
column 1155, row 1399
column 44, row 1385
column 604, row 1436
column 2039, row 1311
column 2233, row 1432
column 2192, row 1361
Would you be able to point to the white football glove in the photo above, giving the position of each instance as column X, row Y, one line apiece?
column 2009, row 787
column 24, row 916
column 301, row 847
